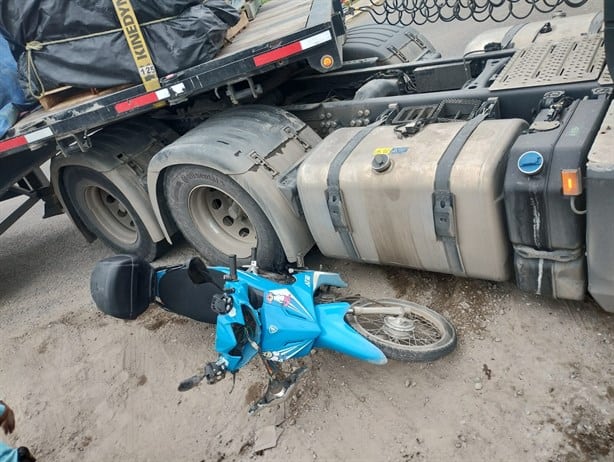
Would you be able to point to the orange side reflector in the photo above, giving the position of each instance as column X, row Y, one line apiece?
column 572, row 182
column 327, row 61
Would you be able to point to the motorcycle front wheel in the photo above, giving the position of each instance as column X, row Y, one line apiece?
column 403, row 330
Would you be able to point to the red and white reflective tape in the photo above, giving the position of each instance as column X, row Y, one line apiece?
column 143, row 100
column 24, row 140
column 293, row 48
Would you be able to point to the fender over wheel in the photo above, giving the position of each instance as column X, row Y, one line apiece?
column 104, row 189
column 107, row 213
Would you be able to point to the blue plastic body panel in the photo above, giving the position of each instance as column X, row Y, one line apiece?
column 288, row 324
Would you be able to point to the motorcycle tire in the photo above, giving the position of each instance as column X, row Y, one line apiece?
column 420, row 335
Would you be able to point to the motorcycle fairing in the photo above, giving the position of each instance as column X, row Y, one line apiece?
column 289, row 322
column 238, row 331
column 290, row 325
column 322, row 278
column 337, row 335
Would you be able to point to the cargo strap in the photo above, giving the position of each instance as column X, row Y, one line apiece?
column 443, row 198
column 136, row 42
column 334, row 196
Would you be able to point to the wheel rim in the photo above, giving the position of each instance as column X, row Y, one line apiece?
column 222, row 221
column 415, row 330
column 111, row 214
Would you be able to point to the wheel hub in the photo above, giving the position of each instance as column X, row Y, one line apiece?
column 111, row 214
column 399, row 327
column 223, row 220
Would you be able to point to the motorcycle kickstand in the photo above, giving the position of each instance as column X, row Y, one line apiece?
column 280, row 387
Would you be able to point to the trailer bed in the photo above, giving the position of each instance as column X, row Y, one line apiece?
column 283, row 32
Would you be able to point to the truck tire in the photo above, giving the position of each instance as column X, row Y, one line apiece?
column 107, row 213
column 219, row 218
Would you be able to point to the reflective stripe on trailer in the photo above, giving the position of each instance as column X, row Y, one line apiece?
column 23, row 140
column 292, row 49
column 143, row 100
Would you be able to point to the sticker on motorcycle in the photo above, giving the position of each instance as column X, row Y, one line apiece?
column 286, row 353
column 285, row 298
column 280, row 296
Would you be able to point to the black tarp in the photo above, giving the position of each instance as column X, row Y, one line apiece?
column 191, row 32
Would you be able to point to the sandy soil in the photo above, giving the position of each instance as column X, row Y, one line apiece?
column 531, row 378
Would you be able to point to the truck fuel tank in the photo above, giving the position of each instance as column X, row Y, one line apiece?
column 432, row 200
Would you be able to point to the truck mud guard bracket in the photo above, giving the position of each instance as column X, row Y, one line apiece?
column 75, row 143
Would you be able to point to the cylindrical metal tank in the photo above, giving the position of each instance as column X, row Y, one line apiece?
column 386, row 200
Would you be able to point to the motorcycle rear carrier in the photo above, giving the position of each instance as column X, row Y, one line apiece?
column 122, row 286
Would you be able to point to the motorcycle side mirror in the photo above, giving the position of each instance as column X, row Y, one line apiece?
column 198, row 271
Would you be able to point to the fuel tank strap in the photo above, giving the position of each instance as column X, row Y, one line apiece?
column 334, row 196
column 443, row 198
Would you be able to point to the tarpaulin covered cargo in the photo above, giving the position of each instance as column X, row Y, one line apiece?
column 80, row 43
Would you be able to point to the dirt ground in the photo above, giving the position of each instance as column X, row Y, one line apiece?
column 531, row 378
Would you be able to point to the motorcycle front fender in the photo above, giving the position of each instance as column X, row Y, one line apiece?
column 339, row 336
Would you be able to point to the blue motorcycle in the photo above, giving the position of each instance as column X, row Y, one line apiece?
column 277, row 317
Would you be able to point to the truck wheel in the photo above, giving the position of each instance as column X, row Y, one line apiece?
column 107, row 213
column 219, row 218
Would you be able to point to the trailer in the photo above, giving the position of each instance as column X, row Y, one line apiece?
column 362, row 141
column 67, row 129
column 284, row 39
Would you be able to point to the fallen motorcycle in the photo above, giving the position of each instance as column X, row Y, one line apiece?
column 277, row 317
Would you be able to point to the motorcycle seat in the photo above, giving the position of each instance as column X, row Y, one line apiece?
column 179, row 294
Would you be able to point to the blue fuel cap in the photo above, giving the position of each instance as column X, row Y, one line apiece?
column 531, row 163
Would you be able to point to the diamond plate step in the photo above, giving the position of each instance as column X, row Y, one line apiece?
column 574, row 60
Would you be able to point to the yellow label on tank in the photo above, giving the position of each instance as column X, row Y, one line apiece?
column 379, row 151
column 389, row 151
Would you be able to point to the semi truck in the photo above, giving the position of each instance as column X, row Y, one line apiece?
column 362, row 141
